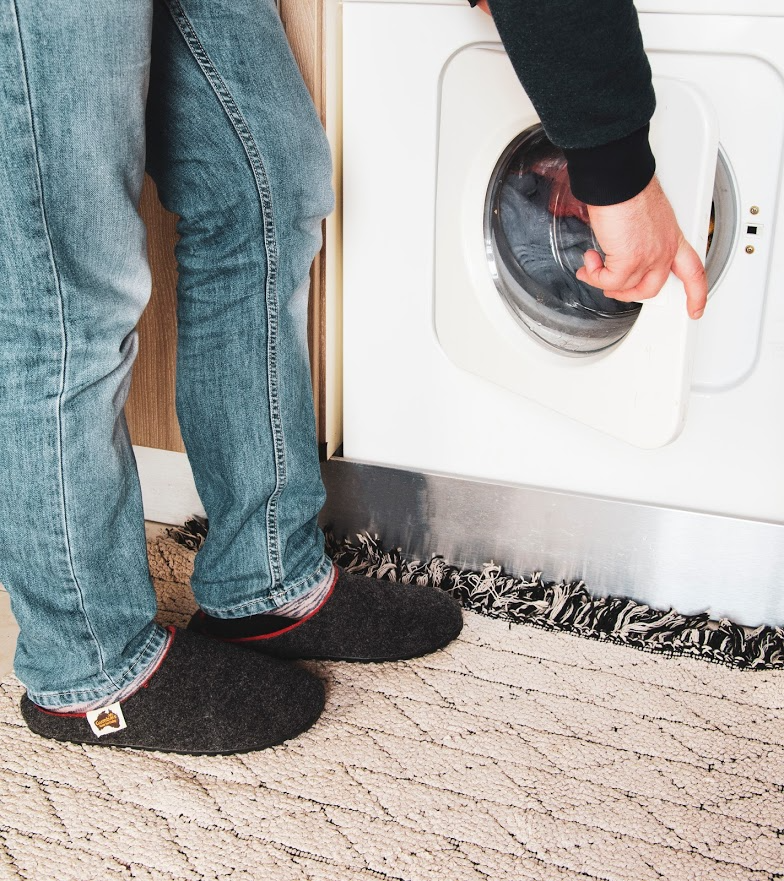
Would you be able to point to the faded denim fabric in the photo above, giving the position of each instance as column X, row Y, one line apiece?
column 206, row 95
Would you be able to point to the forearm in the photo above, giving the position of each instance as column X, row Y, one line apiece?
column 583, row 66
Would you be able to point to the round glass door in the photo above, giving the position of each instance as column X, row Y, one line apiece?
column 536, row 233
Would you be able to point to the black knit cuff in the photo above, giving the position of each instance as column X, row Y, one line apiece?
column 613, row 172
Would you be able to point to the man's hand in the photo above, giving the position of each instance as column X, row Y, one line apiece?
column 643, row 243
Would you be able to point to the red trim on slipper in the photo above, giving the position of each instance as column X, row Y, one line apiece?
column 62, row 715
column 66, row 715
column 291, row 626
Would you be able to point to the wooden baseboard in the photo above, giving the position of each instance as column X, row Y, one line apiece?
column 8, row 635
column 169, row 493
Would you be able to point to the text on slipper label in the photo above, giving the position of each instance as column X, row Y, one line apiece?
column 104, row 720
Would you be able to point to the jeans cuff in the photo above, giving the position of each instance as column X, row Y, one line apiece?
column 324, row 572
column 136, row 670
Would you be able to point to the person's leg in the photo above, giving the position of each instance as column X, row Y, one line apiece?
column 73, row 83
column 74, row 282
column 238, row 152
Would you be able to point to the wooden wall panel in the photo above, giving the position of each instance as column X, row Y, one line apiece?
column 150, row 409
column 303, row 20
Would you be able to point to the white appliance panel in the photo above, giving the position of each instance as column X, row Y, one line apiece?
column 407, row 404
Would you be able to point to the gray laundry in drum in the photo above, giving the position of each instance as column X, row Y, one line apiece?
column 548, row 250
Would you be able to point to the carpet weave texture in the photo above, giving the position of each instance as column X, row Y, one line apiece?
column 516, row 753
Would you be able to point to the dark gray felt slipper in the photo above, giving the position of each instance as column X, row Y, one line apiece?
column 205, row 697
column 362, row 619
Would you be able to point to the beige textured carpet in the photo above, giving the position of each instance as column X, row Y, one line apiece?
column 515, row 754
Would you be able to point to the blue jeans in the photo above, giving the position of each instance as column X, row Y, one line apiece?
column 206, row 95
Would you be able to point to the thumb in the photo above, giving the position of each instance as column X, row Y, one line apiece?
column 688, row 267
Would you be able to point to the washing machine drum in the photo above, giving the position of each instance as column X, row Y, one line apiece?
column 536, row 233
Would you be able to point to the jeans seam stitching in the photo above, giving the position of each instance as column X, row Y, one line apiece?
column 64, row 360
column 253, row 154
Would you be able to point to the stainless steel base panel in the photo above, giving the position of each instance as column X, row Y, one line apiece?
column 664, row 557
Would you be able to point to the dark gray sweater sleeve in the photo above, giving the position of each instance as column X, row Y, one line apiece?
column 583, row 66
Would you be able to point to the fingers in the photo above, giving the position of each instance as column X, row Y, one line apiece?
column 689, row 269
column 646, row 289
column 606, row 278
column 644, row 283
column 593, row 262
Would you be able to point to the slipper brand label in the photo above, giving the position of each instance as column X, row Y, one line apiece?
column 104, row 720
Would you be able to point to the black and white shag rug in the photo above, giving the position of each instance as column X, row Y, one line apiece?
column 557, row 606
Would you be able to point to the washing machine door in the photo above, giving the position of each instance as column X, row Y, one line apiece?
column 510, row 237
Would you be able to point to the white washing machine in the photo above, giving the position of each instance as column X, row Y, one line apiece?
column 469, row 347
column 462, row 377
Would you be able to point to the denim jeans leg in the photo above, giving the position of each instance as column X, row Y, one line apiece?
column 73, row 283
column 238, row 152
